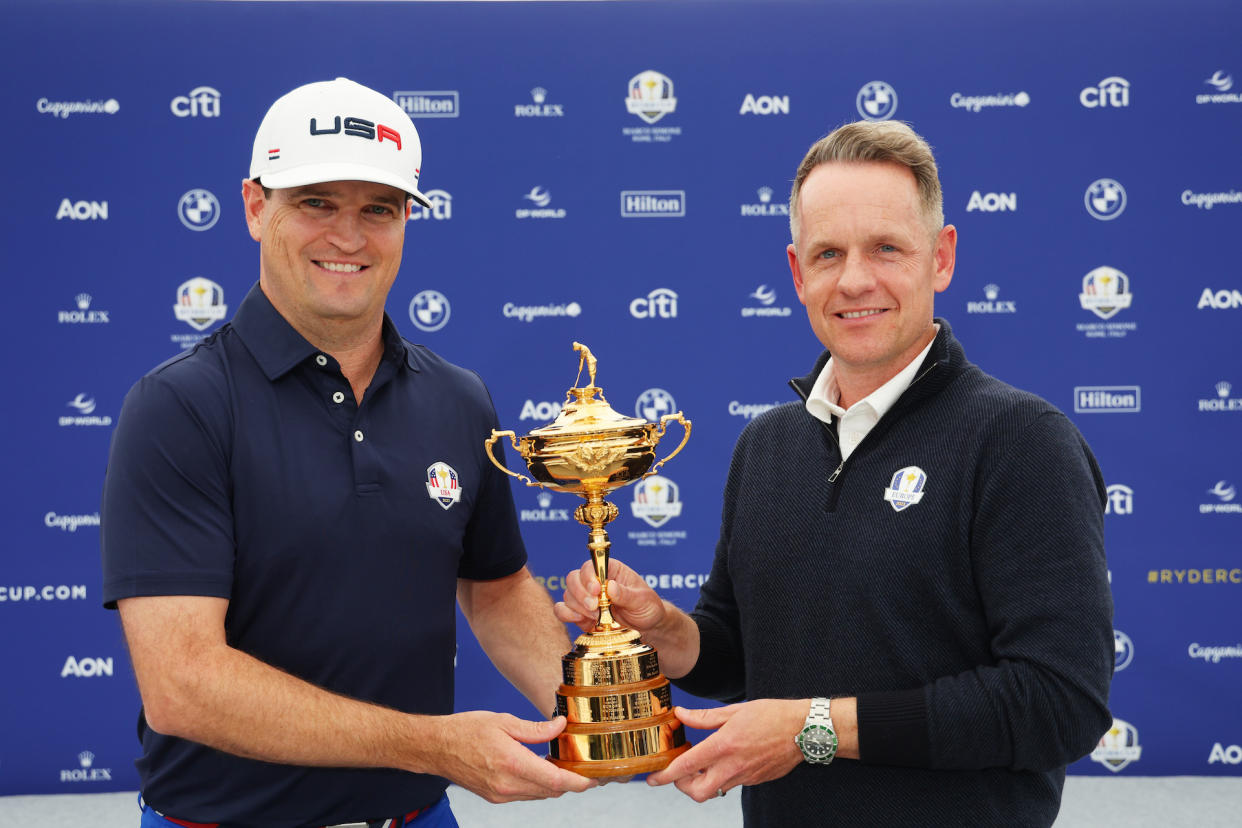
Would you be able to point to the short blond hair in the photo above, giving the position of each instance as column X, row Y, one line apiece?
column 892, row 141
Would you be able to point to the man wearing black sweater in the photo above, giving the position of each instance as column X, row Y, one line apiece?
column 910, row 576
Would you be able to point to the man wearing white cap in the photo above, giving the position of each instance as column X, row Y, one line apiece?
column 291, row 507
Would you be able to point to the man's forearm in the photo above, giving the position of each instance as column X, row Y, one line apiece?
column 512, row 619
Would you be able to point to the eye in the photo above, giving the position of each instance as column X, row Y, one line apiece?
column 887, row 248
column 829, row 254
column 314, row 203
column 380, row 211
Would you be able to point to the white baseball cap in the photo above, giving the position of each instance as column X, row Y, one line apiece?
column 337, row 131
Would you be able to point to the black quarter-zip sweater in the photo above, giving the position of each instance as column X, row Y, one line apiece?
column 974, row 625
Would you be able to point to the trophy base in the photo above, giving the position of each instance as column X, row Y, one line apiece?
column 618, row 706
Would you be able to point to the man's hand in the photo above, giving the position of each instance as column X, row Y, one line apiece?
column 754, row 743
column 634, row 604
column 481, row 751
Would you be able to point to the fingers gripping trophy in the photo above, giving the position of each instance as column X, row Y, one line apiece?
column 616, row 700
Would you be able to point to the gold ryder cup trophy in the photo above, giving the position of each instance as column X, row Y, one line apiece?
column 616, row 700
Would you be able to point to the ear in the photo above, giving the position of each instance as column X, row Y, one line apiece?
column 792, row 253
column 946, row 257
column 254, row 201
column 409, row 208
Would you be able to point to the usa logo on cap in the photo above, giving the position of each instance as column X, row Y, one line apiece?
column 906, row 488
column 442, row 484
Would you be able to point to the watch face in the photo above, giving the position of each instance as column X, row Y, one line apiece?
column 818, row 742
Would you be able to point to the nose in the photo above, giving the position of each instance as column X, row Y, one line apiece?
column 346, row 232
column 856, row 276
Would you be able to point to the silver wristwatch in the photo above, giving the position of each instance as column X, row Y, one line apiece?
column 818, row 740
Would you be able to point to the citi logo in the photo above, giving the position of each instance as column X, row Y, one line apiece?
column 1120, row 500
column 1220, row 299
column 441, row 208
column 357, row 127
column 82, row 210
column 202, row 102
column 532, row 410
column 1231, row 755
column 992, row 202
column 653, row 203
column 1111, row 92
column 442, row 104
column 86, row 667
column 83, row 315
column 660, row 303
column 1107, row 399
column 765, row 105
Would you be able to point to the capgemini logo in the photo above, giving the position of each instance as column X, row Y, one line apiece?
column 1223, row 388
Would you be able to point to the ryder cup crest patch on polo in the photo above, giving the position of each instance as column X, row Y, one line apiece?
column 906, row 488
column 443, row 485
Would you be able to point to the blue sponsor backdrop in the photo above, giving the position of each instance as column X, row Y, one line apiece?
column 1090, row 161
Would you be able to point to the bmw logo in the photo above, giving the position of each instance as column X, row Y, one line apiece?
column 877, row 101
column 429, row 310
column 198, row 210
column 1105, row 199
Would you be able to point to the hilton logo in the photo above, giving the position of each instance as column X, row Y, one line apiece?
column 429, row 104
column 653, row 203
column 1106, row 399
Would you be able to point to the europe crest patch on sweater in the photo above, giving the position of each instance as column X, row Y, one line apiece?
column 906, row 488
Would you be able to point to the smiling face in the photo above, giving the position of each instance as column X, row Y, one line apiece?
column 866, row 266
column 329, row 252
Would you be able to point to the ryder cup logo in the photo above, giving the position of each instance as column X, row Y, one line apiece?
column 650, row 96
column 1105, row 291
column 877, row 101
column 200, row 303
column 906, row 488
column 1105, row 199
column 1118, row 747
column 442, row 484
column 656, row 500
column 198, row 210
column 429, row 310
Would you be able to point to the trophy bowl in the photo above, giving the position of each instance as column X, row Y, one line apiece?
column 616, row 701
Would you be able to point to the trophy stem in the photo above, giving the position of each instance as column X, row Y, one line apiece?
column 595, row 513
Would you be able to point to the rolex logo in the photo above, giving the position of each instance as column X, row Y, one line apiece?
column 86, row 758
column 539, row 94
column 991, row 291
column 83, row 300
column 765, row 194
column 1222, row 389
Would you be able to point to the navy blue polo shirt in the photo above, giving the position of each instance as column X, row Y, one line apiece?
column 243, row 469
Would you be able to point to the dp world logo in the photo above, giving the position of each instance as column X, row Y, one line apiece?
column 429, row 310
column 1105, row 199
column 654, row 403
column 877, row 101
column 198, row 210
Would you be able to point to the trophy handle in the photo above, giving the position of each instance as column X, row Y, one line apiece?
column 664, row 421
column 491, row 441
